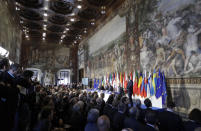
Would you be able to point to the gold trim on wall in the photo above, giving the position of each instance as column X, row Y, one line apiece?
column 184, row 81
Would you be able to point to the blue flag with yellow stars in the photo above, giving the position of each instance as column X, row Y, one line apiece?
column 164, row 92
column 159, row 85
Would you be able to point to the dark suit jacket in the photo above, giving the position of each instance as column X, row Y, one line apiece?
column 191, row 125
column 170, row 121
column 109, row 111
column 10, row 105
column 91, row 127
column 132, row 123
column 118, row 121
column 150, row 128
column 130, row 87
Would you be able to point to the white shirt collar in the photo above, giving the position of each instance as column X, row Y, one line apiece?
column 150, row 125
column 170, row 110
column 11, row 74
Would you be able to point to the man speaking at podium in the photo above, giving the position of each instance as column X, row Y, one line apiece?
column 130, row 90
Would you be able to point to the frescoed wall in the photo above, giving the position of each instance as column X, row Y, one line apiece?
column 170, row 39
column 10, row 34
column 156, row 37
column 108, row 59
column 51, row 58
column 160, row 34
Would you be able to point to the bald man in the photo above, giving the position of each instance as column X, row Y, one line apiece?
column 103, row 123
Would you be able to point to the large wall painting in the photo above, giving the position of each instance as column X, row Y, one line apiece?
column 158, row 36
column 111, row 58
column 170, row 41
column 10, row 34
column 49, row 58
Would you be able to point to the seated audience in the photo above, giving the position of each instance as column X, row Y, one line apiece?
column 27, row 105
column 169, row 120
column 132, row 120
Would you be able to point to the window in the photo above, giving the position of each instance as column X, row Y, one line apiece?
column 64, row 77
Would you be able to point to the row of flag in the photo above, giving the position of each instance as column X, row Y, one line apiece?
column 145, row 86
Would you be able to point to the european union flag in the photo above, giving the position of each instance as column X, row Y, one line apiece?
column 159, row 85
column 95, row 83
column 164, row 92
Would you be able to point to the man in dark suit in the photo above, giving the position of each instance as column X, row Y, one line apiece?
column 110, row 87
column 4, row 66
column 151, row 121
column 170, row 121
column 194, row 120
column 131, row 121
column 12, row 97
column 119, row 116
column 130, row 90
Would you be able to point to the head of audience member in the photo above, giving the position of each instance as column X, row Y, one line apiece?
column 14, row 69
column 124, row 100
column 127, row 129
column 46, row 113
column 122, row 108
column 103, row 123
column 93, row 115
column 115, row 103
column 81, row 97
column 93, row 101
column 76, row 108
column 134, row 112
column 4, row 64
column 129, row 77
column 99, row 101
column 95, row 96
column 81, row 104
column 138, row 103
column 150, row 117
column 148, row 103
column 195, row 115
column 170, row 105
column 28, row 74
column 102, row 95
column 198, row 129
